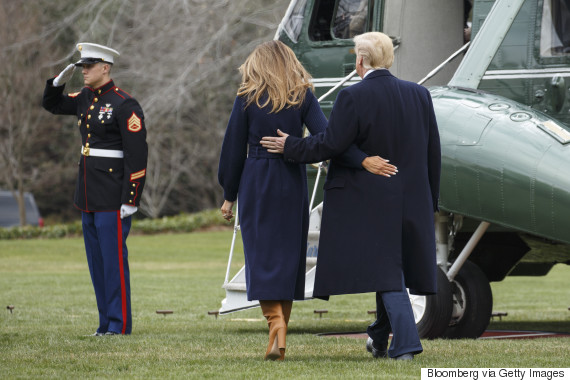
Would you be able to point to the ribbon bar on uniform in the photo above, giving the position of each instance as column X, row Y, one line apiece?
column 87, row 151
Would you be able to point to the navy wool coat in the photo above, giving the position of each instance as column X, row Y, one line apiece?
column 375, row 228
column 272, row 195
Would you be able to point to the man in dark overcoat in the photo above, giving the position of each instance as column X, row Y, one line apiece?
column 112, row 172
column 377, row 232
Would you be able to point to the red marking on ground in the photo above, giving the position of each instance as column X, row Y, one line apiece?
column 489, row 334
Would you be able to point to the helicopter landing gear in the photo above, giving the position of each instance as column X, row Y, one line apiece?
column 433, row 313
column 463, row 304
column 472, row 303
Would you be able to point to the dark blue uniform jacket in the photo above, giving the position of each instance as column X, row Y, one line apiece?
column 107, row 118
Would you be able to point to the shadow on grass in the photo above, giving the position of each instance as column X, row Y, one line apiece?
column 547, row 326
column 343, row 328
column 358, row 327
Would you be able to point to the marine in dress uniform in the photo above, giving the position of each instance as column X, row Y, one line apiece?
column 112, row 172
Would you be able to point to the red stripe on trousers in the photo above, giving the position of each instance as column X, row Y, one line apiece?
column 122, row 271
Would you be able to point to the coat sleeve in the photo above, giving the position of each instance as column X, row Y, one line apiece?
column 316, row 123
column 434, row 156
column 56, row 102
column 135, row 150
column 340, row 134
column 234, row 151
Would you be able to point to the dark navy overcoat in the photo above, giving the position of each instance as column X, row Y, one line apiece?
column 373, row 227
column 272, row 195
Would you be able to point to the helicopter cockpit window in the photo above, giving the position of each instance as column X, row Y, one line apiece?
column 555, row 29
column 350, row 19
column 294, row 22
column 338, row 19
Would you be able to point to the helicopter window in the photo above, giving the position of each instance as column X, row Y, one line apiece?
column 555, row 29
column 350, row 19
column 320, row 27
column 294, row 22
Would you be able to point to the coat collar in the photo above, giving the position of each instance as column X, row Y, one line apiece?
column 378, row 73
column 104, row 88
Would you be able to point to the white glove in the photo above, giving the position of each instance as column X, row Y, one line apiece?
column 64, row 75
column 127, row 210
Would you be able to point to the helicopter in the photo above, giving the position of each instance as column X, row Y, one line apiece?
column 499, row 76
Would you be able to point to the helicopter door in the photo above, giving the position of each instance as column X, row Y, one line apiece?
column 552, row 92
column 425, row 33
column 532, row 64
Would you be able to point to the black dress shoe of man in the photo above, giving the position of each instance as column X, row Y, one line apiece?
column 376, row 353
column 406, row 357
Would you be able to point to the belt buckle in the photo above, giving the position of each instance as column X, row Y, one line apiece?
column 86, row 151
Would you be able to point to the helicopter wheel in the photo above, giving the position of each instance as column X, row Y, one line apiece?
column 472, row 303
column 432, row 313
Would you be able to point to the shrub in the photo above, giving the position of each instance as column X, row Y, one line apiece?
column 177, row 223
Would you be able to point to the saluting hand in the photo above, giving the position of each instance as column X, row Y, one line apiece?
column 379, row 166
column 275, row 144
column 64, row 76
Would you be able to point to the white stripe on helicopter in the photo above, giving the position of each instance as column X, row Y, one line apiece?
column 329, row 82
column 537, row 73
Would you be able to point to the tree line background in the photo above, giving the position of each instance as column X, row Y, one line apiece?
column 179, row 59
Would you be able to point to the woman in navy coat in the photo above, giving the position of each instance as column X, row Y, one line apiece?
column 273, row 203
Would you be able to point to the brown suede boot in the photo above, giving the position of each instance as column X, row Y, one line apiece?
column 273, row 312
column 286, row 305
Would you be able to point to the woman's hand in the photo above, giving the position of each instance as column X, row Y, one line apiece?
column 379, row 166
column 227, row 212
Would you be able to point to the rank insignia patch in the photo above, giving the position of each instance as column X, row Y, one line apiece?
column 134, row 123
column 139, row 174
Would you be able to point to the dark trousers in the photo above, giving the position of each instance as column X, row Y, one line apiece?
column 394, row 313
column 105, row 235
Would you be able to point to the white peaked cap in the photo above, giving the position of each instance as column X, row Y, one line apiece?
column 93, row 53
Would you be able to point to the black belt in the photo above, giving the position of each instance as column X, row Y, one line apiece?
column 257, row 151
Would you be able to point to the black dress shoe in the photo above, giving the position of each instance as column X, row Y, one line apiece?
column 406, row 357
column 376, row 353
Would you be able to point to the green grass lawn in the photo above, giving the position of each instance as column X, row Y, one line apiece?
column 47, row 281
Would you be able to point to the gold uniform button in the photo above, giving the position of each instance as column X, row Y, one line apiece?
column 87, row 145
column 132, row 193
column 130, row 201
column 89, row 135
column 99, row 92
column 110, row 170
column 87, row 125
column 134, row 185
column 88, row 116
column 81, row 115
column 96, row 100
column 102, row 121
column 92, row 107
column 79, row 122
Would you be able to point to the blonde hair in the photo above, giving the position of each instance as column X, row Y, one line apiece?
column 376, row 49
column 272, row 72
